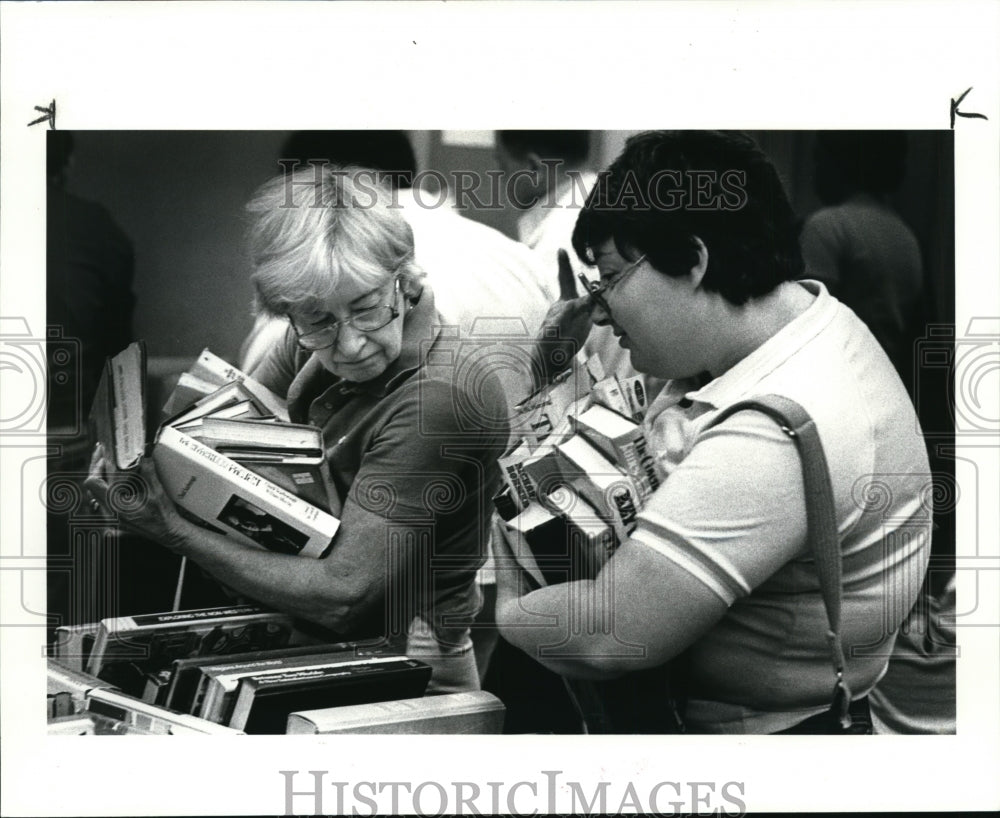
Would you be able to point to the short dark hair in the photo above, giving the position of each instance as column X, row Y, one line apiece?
column 388, row 151
column 573, row 147
column 726, row 192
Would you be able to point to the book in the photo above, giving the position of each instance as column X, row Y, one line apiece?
column 240, row 502
column 470, row 713
column 621, row 440
column 601, row 483
column 539, row 535
column 290, row 455
column 216, row 692
column 207, row 374
column 62, row 679
column 72, row 644
column 542, row 411
column 148, row 718
column 232, row 399
column 220, row 493
column 129, row 648
column 609, row 393
column 186, row 688
column 265, row 701
column 71, row 725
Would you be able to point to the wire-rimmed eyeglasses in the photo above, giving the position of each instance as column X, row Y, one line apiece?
column 598, row 290
column 367, row 320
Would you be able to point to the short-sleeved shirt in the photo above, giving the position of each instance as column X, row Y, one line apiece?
column 731, row 512
column 417, row 447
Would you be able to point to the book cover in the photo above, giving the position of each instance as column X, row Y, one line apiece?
column 185, row 689
column 621, row 440
column 229, row 496
column 264, row 702
column 215, row 694
column 73, row 643
column 213, row 488
column 149, row 718
column 207, row 374
column 128, row 648
column 470, row 713
column 601, row 483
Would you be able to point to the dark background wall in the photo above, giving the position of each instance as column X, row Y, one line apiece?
column 179, row 195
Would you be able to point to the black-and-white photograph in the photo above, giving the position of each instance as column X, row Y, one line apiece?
column 558, row 436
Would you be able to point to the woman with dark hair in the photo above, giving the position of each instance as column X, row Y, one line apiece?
column 695, row 248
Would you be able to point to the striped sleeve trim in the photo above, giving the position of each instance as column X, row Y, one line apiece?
column 710, row 567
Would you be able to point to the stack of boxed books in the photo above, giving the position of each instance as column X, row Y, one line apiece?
column 577, row 476
column 229, row 459
column 242, row 670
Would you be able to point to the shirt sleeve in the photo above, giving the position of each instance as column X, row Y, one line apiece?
column 733, row 511
column 422, row 467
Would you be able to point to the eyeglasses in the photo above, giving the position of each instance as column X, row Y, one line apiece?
column 598, row 290
column 367, row 320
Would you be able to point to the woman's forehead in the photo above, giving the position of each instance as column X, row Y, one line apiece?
column 345, row 295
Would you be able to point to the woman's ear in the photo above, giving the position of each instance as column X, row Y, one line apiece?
column 701, row 266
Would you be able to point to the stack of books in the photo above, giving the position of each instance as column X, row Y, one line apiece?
column 230, row 459
column 573, row 489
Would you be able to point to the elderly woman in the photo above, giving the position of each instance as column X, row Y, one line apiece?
column 695, row 249
column 411, row 447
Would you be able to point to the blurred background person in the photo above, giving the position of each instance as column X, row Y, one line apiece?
column 549, row 179
column 90, row 264
column 89, row 270
column 859, row 246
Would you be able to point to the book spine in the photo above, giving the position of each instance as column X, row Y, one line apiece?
column 218, row 490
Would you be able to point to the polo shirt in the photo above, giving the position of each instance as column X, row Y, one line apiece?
column 731, row 512
column 417, row 447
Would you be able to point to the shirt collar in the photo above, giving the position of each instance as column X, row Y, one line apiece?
column 741, row 379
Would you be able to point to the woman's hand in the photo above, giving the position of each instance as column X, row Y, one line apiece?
column 566, row 326
column 137, row 498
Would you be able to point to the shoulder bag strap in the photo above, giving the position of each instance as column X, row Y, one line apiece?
column 821, row 520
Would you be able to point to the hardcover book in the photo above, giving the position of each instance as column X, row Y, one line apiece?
column 622, row 441
column 265, row 701
column 207, row 374
column 601, row 483
column 129, row 648
column 215, row 691
column 184, row 687
column 222, row 494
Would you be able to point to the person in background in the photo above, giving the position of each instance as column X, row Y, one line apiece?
column 90, row 265
column 548, row 179
column 89, row 301
column 412, row 460
column 858, row 245
column 719, row 567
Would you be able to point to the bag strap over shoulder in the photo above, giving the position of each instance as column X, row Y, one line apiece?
column 821, row 520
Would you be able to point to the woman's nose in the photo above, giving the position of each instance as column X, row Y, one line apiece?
column 350, row 341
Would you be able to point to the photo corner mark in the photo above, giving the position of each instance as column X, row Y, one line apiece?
column 49, row 115
column 955, row 112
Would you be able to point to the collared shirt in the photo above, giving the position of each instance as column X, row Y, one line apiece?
column 731, row 512
column 417, row 448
